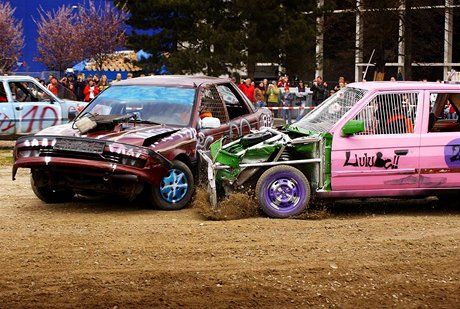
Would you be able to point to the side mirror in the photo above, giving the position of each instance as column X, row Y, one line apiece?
column 210, row 123
column 353, row 127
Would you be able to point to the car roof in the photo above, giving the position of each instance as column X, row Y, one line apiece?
column 404, row 85
column 16, row 77
column 172, row 80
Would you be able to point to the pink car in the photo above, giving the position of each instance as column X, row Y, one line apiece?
column 372, row 139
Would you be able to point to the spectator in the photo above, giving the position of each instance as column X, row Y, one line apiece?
column 103, row 83
column 130, row 75
column 117, row 79
column 66, row 91
column 265, row 82
column 273, row 96
column 96, row 79
column 319, row 89
column 287, row 100
column 53, row 86
column 302, row 97
column 283, row 82
column 80, row 85
column 248, row 89
column 259, row 95
column 50, row 77
column 451, row 113
column 91, row 90
column 340, row 84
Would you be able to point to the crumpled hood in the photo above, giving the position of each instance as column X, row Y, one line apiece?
column 130, row 133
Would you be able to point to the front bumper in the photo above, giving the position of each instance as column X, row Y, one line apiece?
column 89, row 156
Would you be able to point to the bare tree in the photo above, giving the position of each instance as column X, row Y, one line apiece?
column 11, row 39
column 103, row 31
column 57, row 41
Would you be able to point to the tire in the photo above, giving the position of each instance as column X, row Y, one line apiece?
column 283, row 191
column 255, row 138
column 449, row 198
column 48, row 194
column 176, row 188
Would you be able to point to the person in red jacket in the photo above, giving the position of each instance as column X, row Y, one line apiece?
column 248, row 89
column 91, row 90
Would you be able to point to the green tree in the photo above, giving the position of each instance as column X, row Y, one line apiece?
column 220, row 37
column 186, row 36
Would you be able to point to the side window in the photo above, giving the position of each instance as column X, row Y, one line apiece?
column 390, row 113
column 2, row 93
column 19, row 92
column 36, row 92
column 26, row 92
column 211, row 103
column 235, row 107
column 444, row 111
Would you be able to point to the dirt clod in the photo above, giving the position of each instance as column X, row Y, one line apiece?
column 237, row 205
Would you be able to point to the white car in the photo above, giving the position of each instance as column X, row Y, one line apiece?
column 26, row 107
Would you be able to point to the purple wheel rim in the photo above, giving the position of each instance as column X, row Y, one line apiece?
column 284, row 193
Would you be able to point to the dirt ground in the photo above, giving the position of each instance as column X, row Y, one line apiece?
column 110, row 254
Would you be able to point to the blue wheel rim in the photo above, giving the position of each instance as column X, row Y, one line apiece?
column 174, row 186
column 283, row 194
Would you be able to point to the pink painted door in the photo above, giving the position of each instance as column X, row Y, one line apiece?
column 386, row 155
column 440, row 142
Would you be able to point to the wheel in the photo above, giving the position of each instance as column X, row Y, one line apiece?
column 176, row 188
column 255, row 138
column 46, row 193
column 449, row 198
column 283, row 191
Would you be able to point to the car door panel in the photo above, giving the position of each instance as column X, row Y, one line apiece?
column 35, row 116
column 377, row 160
column 440, row 145
column 7, row 119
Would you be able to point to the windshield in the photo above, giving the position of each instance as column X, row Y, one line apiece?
column 156, row 104
column 324, row 116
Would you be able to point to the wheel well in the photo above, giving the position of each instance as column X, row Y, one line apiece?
column 185, row 159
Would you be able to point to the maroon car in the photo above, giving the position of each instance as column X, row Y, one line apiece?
column 139, row 135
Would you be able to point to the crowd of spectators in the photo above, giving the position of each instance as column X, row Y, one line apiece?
column 79, row 87
column 281, row 93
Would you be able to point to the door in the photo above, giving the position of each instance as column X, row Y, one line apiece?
column 34, row 107
column 440, row 141
column 386, row 155
column 7, row 117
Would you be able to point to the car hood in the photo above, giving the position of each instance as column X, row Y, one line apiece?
column 129, row 133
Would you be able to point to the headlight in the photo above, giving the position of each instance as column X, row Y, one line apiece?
column 32, row 146
column 127, row 154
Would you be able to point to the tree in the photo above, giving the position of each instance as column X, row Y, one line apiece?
column 66, row 37
column 12, row 38
column 58, row 32
column 102, row 31
column 186, row 36
column 219, row 37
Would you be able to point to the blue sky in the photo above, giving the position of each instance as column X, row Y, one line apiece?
column 27, row 10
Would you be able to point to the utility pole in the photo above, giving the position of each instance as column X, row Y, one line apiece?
column 319, row 41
